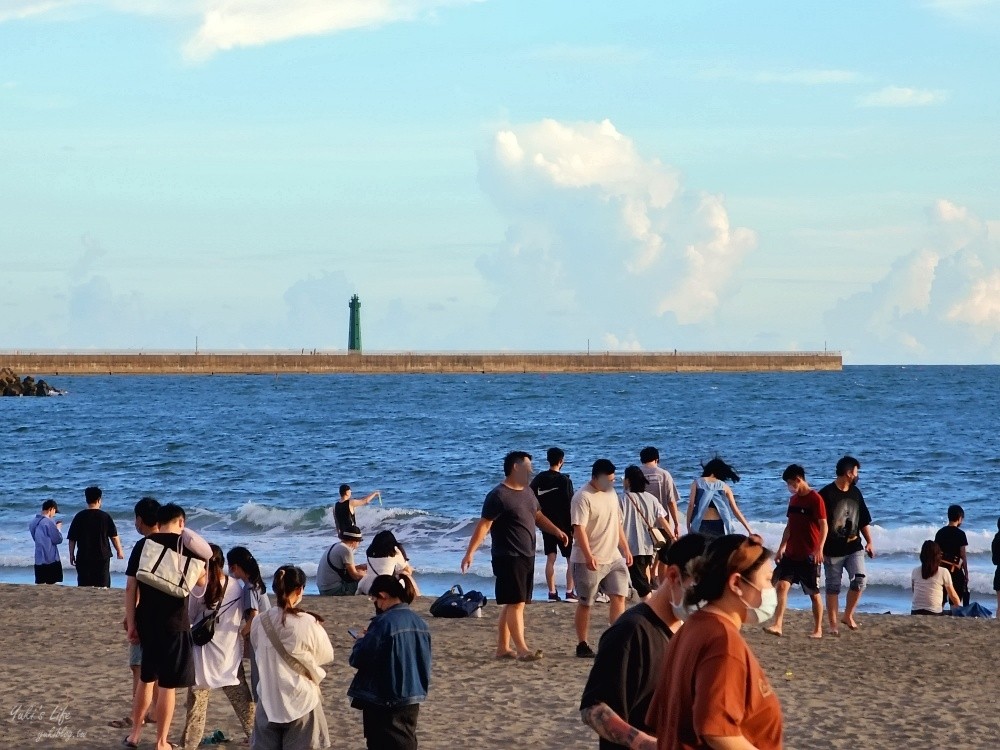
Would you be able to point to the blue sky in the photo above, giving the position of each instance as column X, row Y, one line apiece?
column 502, row 175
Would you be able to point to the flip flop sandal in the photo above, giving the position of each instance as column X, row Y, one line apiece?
column 126, row 742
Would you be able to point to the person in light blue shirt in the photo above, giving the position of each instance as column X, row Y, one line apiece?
column 712, row 509
column 48, row 536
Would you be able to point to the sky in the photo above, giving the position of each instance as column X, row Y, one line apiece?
column 502, row 175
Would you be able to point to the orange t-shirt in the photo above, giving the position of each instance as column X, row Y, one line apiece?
column 711, row 685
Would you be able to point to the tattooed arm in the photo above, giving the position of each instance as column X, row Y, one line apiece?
column 614, row 728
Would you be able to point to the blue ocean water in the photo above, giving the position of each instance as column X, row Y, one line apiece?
column 256, row 460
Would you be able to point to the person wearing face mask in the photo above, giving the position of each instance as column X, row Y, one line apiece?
column 712, row 692
column 393, row 659
column 630, row 654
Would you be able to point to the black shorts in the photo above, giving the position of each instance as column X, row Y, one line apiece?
column 49, row 573
column 167, row 659
column 551, row 543
column 639, row 574
column 96, row 573
column 802, row 572
column 515, row 576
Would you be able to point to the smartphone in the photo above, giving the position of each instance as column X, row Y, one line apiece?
column 353, row 633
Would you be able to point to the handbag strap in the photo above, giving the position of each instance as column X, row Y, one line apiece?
column 639, row 511
column 222, row 598
column 272, row 635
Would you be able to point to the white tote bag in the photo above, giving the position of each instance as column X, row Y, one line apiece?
column 168, row 570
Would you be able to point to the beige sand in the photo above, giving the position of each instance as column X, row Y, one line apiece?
column 897, row 682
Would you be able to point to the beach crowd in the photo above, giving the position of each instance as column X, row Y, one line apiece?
column 670, row 671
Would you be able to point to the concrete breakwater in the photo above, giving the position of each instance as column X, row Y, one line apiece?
column 235, row 363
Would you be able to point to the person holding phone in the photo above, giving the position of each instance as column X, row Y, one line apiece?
column 393, row 659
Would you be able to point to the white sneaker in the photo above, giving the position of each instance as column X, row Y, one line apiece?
column 602, row 598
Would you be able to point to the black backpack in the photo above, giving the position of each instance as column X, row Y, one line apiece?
column 455, row 603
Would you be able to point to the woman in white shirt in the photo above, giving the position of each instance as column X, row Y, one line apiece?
column 930, row 582
column 290, row 645
column 217, row 663
column 386, row 556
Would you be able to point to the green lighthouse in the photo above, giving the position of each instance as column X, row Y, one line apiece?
column 354, row 329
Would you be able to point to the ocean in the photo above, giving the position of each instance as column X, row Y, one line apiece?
column 256, row 460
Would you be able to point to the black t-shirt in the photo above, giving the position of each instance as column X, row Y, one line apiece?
column 951, row 539
column 554, row 491
column 847, row 514
column 513, row 515
column 157, row 611
column 90, row 530
column 627, row 668
column 343, row 515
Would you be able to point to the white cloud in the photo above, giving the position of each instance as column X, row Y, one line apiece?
column 900, row 96
column 228, row 24
column 801, row 77
column 603, row 238
column 587, row 54
column 939, row 303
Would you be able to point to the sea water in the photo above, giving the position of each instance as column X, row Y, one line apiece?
column 256, row 460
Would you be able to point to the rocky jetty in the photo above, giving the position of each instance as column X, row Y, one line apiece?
column 12, row 385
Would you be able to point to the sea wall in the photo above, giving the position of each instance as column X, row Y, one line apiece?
column 216, row 363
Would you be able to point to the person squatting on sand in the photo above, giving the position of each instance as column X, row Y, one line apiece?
column 849, row 519
column 159, row 623
column 712, row 509
column 218, row 663
column 337, row 574
column 386, row 556
column 800, row 552
column 510, row 514
column 712, row 691
column 47, row 535
column 554, row 491
column 641, row 512
column 601, row 555
column 291, row 646
column 393, row 659
column 931, row 583
column 630, row 655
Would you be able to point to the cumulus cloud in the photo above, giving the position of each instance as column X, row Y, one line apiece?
column 602, row 239
column 901, row 96
column 940, row 302
column 228, row 24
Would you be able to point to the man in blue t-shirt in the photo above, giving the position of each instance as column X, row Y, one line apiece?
column 510, row 514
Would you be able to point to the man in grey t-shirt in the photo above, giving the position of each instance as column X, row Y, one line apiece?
column 510, row 515
column 337, row 574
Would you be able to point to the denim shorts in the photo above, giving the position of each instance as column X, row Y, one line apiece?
column 833, row 568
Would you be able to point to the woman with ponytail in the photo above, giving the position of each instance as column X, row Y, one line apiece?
column 244, row 568
column 218, row 663
column 713, row 692
column 290, row 646
column 393, row 659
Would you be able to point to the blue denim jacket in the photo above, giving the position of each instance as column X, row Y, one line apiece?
column 393, row 660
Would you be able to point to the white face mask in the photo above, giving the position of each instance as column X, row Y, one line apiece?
column 681, row 610
column 768, row 604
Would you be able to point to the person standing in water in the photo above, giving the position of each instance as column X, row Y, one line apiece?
column 343, row 510
column 712, row 509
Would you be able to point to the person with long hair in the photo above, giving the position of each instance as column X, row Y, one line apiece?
column 641, row 512
column 393, row 659
column 712, row 509
column 291, row 646
column 217, row 664
column 712, row 691
column 931, row 582
column 386, row 556
column 244, row 568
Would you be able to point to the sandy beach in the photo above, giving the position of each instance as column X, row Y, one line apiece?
column 896, row 682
